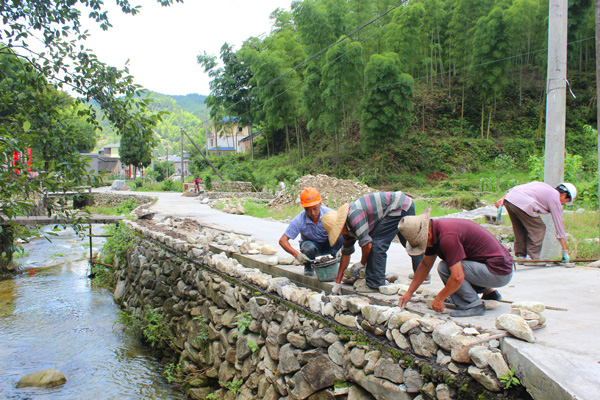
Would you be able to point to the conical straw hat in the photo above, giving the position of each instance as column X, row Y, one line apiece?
column 334, row 221
column 414, row 228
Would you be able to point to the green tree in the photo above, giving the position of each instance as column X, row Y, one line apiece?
column 387, row 105
column 134, row 150
column 25, row 97
column 341, row 84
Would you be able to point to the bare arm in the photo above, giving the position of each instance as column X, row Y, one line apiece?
column 422, row 272
column 344, row 261
column 563, row 243
column 365, row 252
column 284, row 242
column 500, row 203
column 457, row 276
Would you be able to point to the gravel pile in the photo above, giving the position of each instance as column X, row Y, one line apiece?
column 334, row 192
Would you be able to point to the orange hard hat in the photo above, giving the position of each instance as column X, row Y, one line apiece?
column 310, row 197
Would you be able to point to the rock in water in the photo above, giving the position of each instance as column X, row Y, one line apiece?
column 44, row 378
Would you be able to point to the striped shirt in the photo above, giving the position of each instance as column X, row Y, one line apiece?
column 365, row 213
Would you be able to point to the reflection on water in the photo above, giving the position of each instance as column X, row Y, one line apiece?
column 51, row 317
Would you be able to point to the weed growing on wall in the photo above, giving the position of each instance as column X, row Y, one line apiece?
column 119, row 241
column 509, row 380
column 150, row 328
column 243, row 321
column 202, row 337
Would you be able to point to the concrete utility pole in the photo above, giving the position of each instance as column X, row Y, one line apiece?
column 556, row 99
column 182, row 172
column 598, row 87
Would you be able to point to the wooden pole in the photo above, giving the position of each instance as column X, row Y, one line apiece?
column 206, row 158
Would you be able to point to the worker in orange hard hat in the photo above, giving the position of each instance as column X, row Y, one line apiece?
column 314, row 240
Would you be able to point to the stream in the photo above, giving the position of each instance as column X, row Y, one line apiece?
column 52, row 317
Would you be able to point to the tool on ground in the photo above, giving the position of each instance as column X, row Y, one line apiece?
column 547, row 307
column 499, row 216
column 560, row 261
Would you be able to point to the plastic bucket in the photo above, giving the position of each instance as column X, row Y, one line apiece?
column 327, row 272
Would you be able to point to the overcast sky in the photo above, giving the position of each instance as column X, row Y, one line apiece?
column 162, row 43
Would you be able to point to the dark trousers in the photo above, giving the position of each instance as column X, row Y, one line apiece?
column 529, row 232
column 382, row 236
column 314, row 249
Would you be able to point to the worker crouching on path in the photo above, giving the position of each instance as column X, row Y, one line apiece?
column 373, row 221
column 313, row 237
column 525, row 203
column 472, row 261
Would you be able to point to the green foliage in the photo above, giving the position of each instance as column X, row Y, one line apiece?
column 573, row 167
column 243, row 321
column 212, row 396
column 253, row 346
column 173, row 372
column 154, row 330
column 232, row 386
column 120, row 240
column 257, row 209
column 168, row 185
column 126, row 206
column 202, row 336
column 509, row 380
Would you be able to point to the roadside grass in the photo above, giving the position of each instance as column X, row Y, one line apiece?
column 582, row 230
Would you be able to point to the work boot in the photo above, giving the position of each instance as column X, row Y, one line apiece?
column 308, row 270
column 495, row 295
column 469, row 312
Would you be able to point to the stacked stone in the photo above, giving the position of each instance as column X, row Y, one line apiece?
column 291, row 354
column 113, row 200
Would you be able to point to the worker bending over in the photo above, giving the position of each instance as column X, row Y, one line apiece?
column 472, row 261
column 525, row 203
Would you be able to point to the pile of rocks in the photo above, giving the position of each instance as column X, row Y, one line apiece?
column 334, row 192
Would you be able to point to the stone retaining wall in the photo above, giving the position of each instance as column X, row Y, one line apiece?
column 232, row 186
column 252, row 335
column 239, row 195
column 113, row 199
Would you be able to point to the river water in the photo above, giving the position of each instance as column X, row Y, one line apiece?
column 52, row 317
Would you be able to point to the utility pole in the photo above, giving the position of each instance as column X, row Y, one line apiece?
column 556, row 99
column 182, row 174
column 598, row 88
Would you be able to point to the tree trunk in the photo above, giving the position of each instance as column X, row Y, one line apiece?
column 462, row 110
column 482, row 116
column 6, row 248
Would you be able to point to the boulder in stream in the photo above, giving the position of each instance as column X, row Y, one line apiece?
column 45, row 378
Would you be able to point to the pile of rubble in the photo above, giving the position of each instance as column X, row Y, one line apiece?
column 334, row 192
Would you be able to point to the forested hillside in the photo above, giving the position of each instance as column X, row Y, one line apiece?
column 388, row 93
column 187, row 112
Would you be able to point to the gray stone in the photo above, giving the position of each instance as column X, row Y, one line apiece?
column 226, row 372
column 398, row 318
column 322, row 338
column 386, row 368
column 498, row 364
column 442, row 334
column 412, row 380
column 480, row 356
column 460, row 346
column 534, row 306
column 372, row 357
column 442, row 359
column 321, row 372
column 357, row 393
column 516, row 326
column 379, row 388
column 485, row 378
column 428, row 390
column 408, row 325
column 288, row 362
column 336, row 352
column 301, row 387
column 346, row 320
column 400, row 339
column 119, row 292
column 372, row 312
column 442, row 392
column 357, row 357
column 44, row 378
column 428, row 324
column 355, row 304
column 423, row 344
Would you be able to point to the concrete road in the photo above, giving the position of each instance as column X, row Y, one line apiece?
column 563, row 363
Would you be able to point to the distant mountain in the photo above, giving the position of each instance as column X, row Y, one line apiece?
column 192, row 103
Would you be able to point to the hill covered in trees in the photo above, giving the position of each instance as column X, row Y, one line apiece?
column 391, row 92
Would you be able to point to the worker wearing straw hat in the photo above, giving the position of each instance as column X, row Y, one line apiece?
column 372, row 220
column 472, row 261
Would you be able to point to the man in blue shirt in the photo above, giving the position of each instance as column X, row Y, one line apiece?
column 314, row 240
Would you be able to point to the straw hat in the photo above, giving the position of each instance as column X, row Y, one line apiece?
column 334, row 221
column 414, row 228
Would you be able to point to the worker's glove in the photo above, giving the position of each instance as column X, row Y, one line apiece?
column 565, row 258
column 302, row 259
column 337, row 289
column 358, row 270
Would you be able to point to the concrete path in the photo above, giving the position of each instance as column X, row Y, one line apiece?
column 564, row 363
